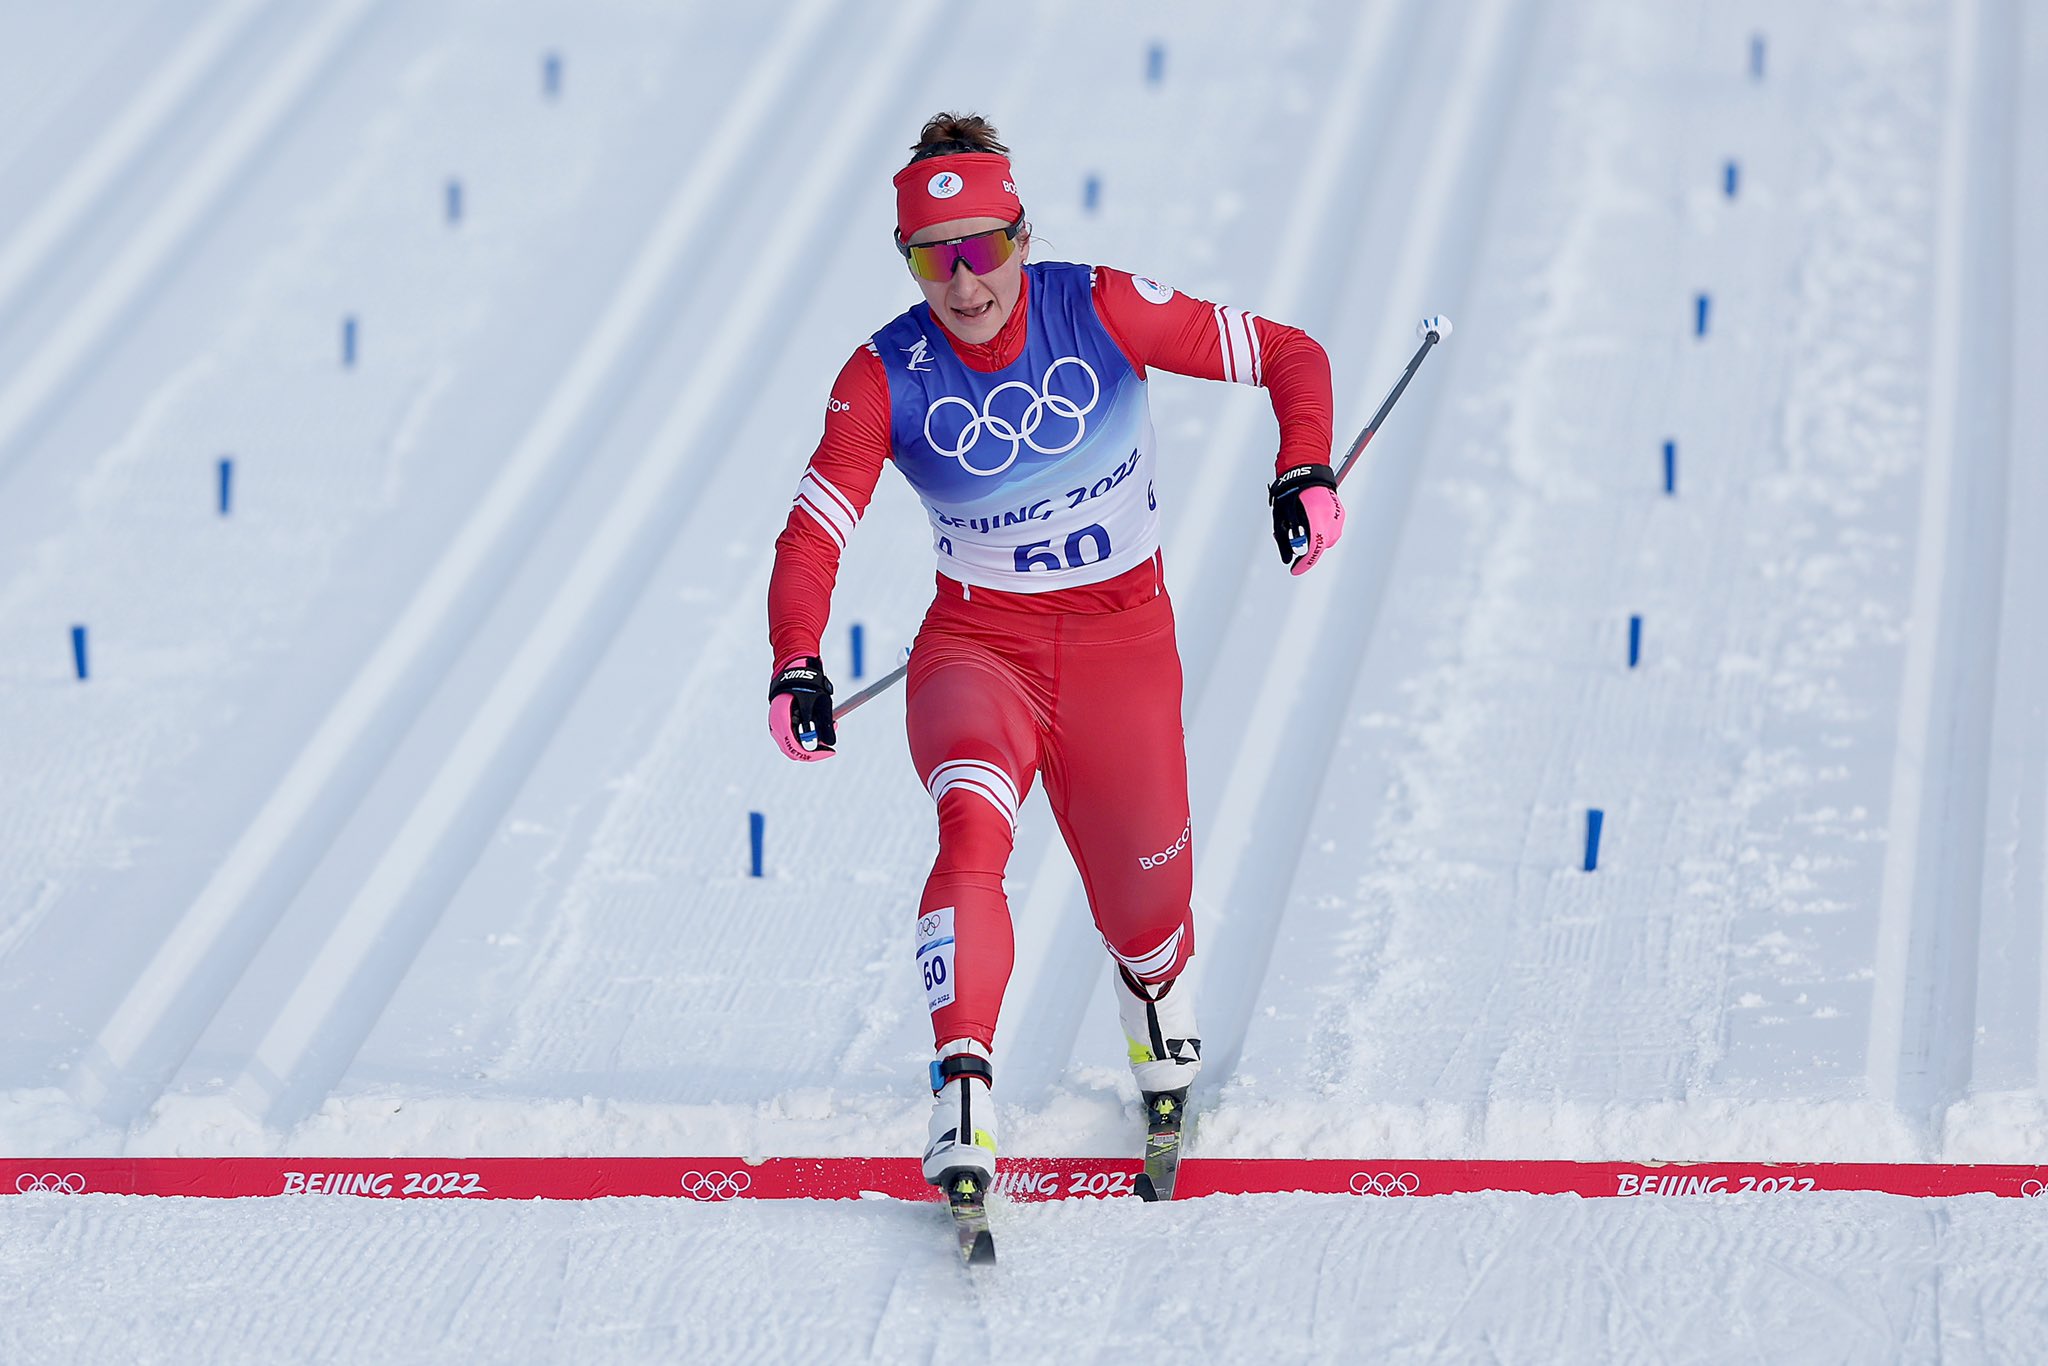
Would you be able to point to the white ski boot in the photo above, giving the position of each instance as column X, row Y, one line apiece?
column 963, row 1130
column 1159, row 1025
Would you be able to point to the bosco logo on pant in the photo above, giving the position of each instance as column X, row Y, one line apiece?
column 1171, row 852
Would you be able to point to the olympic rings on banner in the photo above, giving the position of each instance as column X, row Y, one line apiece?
column 1385, row 1183
column 1022, row 432
column 28, row 1183
column 715, row 1185
column 2030, row 1188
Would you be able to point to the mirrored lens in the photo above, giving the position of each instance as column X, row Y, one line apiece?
column 982, row 254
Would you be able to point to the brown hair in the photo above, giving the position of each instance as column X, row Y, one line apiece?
column 947, row 133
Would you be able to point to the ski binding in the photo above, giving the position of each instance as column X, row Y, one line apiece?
column 1164, row 1113
column 967, row 1197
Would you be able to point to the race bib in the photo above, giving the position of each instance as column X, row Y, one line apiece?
column 935, row 956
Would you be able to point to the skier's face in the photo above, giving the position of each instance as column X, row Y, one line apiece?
column 974, row 307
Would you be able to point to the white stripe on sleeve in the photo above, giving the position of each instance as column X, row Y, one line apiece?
column 1241, row 358
column 827, row 506
column 831, row 491
column 1251, row 332
column 803, row 500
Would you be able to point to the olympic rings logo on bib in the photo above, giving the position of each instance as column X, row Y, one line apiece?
column 1023, row 431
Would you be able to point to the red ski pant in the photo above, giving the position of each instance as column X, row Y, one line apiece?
column 999, row 696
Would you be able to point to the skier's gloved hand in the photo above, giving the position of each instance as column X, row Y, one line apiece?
column 1307, row 518
column 800, row 709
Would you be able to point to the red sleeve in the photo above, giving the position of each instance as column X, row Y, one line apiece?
column 1158, row 326
column 830, row 499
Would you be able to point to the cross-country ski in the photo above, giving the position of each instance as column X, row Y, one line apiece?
column 967, row 1199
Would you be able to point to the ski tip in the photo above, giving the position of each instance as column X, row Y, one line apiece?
column 1146, row 1191
column 983, row 1250
column 1434, row 328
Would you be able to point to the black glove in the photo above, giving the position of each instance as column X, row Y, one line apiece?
column 1290, row 519
column 805, row 729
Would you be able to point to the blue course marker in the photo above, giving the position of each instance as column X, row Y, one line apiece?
column 1699, row 316
column 227, row 477
column 1635, row 641
column 454, row 200
column 1155, row 63
column 757, row 828
column 78, row 651
column 1730, row 177
column 1595, row 817
column 348, row 341
column 1756, row 56
column 859, row 650
column 1091, row 193
column 551, row 74
column 1671, row 467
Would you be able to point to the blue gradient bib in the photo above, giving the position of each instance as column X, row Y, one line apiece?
column 1036, row 476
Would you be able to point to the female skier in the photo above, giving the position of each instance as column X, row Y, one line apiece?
column 1013, row 399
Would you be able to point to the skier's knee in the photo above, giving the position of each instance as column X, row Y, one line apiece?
column 1152, row 958
column 981, row 778
column 975, row 833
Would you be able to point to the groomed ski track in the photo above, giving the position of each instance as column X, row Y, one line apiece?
column 1826, row 1277
column 406, row 807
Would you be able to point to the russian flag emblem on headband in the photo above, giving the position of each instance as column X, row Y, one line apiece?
column 951, row 188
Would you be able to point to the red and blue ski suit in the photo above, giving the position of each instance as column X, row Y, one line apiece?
column 1049, row 649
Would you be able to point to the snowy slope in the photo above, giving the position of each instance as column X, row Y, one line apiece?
column 423, row 777
column 405, row 810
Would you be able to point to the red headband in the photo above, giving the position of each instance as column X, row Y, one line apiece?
column 962, row 185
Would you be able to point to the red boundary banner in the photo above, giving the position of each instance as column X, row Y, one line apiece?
column 1053, row 1178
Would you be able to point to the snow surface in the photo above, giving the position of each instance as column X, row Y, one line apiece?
column 1829, row 1277
column 405, row 810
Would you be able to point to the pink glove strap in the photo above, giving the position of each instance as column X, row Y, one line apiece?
column 1325, row 526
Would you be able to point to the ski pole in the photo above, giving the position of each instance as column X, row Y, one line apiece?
column 1432, row 330
column 879, row 685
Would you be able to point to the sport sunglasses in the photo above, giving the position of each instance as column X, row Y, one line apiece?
column 982, row 251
